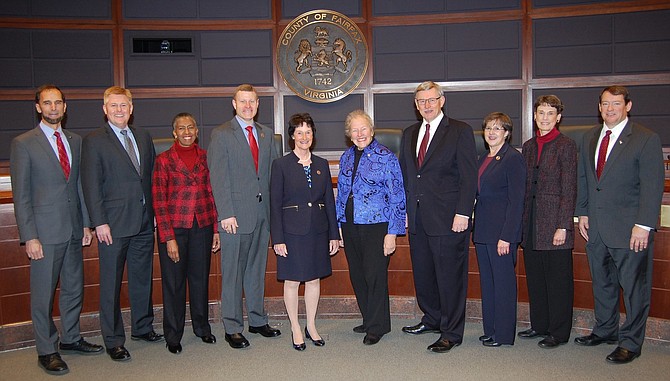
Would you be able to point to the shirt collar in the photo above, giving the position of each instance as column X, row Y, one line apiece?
column 436, row 122
column 244, row 124
column 48, row 131
column 616, row 131
column 117, row 130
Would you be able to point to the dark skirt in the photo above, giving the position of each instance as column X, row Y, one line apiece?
column 308, row 257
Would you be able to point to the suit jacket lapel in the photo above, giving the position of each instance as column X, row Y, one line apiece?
column 43, row 141
column 438, row 135
column 74, row 148
column 114, row 141
column 496, row 160
column 413, row 148
column 240, row 135
column 619, row 146
column 262, row 142
column 592, row 151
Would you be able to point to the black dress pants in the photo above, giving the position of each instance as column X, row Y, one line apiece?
column 549, row 279
column 368, row 271
column 195, row 251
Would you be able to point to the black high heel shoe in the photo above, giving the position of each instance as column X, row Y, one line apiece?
column 318, row 343
column 298, row 347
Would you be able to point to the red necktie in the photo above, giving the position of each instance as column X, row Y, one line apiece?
column 62, row 156
column 253, row 145
column 602, row 153
column 424, row 145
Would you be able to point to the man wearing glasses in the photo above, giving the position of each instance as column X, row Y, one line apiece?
column 439, row 166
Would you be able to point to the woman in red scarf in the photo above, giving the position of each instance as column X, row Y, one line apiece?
column 187, row 236
column 551, row 193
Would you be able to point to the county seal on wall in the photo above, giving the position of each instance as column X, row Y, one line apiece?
column 322, row 56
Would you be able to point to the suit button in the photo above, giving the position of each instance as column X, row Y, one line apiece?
column 598, row 189
column 309, row 204
column 418, row 176
column 534, row 182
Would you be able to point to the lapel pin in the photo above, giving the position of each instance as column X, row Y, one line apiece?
column 318, row 172
column 262, row 135
column 497, row 157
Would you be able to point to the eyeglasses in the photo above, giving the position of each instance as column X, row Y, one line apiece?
column 430, row 101
column 496, row 129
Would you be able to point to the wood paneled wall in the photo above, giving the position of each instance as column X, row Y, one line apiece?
column 15, row 271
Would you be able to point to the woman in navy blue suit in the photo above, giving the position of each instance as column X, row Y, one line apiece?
column 497, row 229
column 302, row 225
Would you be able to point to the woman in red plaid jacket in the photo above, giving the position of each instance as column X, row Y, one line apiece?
column 187, row 235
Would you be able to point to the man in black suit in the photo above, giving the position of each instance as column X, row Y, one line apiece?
column 619, row 193
column 439, row 165
column 118, row 161
column 44, row 165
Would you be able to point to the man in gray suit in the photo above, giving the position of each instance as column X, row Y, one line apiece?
column 117, row 165
column 239, row 156
column 53, row 224
column 620, row 187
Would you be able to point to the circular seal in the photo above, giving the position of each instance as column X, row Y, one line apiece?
column 322, row 56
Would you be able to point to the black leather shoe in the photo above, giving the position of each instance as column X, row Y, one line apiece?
column 265, row 331
column 419, row 329
column 485, row 338
column 592, row 340
column 173, row 348
column 52, row 364
column 119, row 353
column 371, row 339
column 530, row 333
column 491, row 343
column 318, row 343
column 81, row 347
column 359, row 329
column 298, row 347
column 149, row 337
column 442, row 345
column 237, row 340
column 209, row 339
column 550, row 342
column 621, row 356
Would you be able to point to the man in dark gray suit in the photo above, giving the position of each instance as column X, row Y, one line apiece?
column 620, row 187
column 53, row 224
column 117, row 165
column 239, row 157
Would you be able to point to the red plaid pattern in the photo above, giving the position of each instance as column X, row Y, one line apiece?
column 180, row 194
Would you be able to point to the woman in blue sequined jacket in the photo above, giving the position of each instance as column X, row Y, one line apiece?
column 370, row 208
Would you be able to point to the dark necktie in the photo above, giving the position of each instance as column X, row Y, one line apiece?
column 62, row 156
column 602, row 153
column 131, row 150
column 423, row 146
column 253, row 145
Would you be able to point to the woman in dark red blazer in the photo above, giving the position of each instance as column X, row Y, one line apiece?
column 497, row 229
column 551, row 192
column 187, row 236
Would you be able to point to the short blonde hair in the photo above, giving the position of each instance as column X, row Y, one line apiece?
column 424, row 86
column 117, row 90
column 245, row 87
column 353, row 115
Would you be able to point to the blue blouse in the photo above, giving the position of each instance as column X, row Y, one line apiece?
column 378, row 192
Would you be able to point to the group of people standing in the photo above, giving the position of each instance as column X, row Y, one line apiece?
column 239, row 193
column 613, row 181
